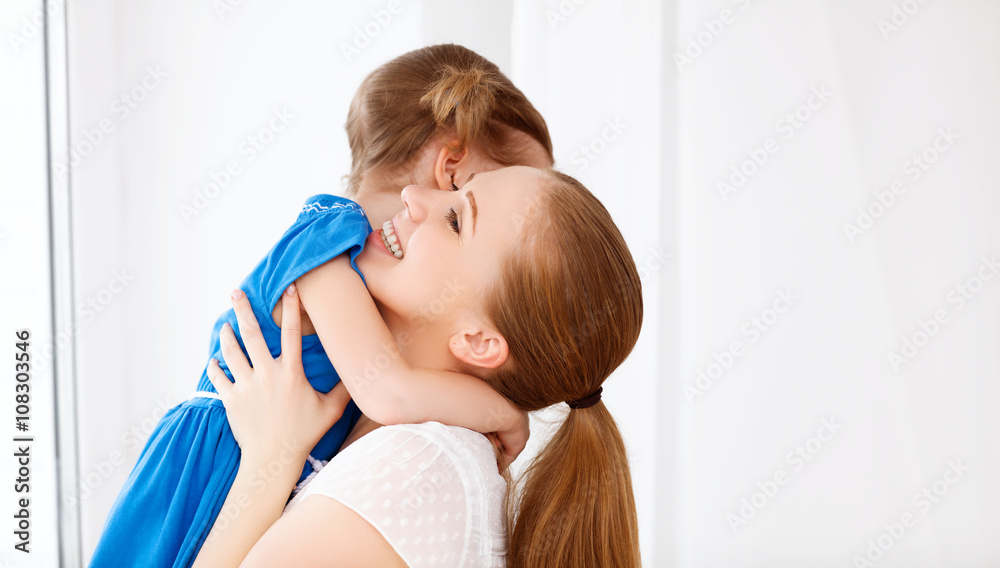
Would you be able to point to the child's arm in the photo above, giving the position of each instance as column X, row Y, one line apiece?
column 384, row 386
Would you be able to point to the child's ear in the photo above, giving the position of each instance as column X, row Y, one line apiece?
column 486, row 349
column 447, row 164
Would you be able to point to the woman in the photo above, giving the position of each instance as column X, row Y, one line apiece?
column 433, row 115
column 568, row 306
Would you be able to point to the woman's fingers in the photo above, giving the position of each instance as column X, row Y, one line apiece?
column 249, row 329
column 291, row 328
column 232, row 353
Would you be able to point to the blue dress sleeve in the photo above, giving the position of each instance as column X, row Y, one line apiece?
column 327, row 227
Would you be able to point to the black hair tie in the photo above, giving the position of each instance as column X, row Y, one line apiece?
column 588, row 401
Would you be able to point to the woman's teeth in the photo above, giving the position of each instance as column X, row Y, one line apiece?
column 390, row 240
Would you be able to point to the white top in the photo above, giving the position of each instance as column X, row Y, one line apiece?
column 433, row 491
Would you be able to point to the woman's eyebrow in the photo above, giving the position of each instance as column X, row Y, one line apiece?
column 472, row 204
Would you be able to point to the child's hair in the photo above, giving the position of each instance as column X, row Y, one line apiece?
column 437, row 90
column 575, row 506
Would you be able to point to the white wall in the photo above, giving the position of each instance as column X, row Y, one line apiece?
column 710, row 264
column 826, row 357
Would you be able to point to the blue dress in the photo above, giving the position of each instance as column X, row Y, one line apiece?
column 173, row 496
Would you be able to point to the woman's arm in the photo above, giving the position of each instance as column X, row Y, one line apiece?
column 277, row 418
column 254, row 503
column 355, row 337
column 321, row 532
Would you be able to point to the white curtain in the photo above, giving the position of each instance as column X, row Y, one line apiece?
column 733, row 141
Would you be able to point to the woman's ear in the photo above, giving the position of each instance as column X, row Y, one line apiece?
column 448, row 163
column 480, row 348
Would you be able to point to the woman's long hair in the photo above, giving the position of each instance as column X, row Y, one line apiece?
column 569, row 304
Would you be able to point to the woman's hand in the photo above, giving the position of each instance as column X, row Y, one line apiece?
column 277, row 418
column 271, row 407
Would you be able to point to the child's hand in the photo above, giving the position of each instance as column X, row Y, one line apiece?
column 271, row 407
column 512, row 434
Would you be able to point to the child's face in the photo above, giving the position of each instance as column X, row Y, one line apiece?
column 441, row 273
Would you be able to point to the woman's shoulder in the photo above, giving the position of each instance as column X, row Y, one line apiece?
column 431, row 490
column 454, row 439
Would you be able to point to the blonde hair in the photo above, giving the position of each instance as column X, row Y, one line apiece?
column 439, row 90
column 575, row 505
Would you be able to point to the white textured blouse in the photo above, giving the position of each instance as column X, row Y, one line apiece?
column 433, row 491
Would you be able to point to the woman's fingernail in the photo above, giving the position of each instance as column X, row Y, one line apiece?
column 291, row 289
column 237, row 294
column 213, row 361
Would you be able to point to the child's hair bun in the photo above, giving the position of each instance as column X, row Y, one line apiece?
column 463, row 99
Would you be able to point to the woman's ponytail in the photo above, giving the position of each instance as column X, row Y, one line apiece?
column 574, row 506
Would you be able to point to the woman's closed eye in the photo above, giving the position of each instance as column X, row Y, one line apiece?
column 452, row 216
column 452, row 219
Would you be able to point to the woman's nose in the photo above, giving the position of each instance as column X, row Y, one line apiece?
column 415, row 199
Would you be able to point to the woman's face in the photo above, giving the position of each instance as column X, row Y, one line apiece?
column 445, row 247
